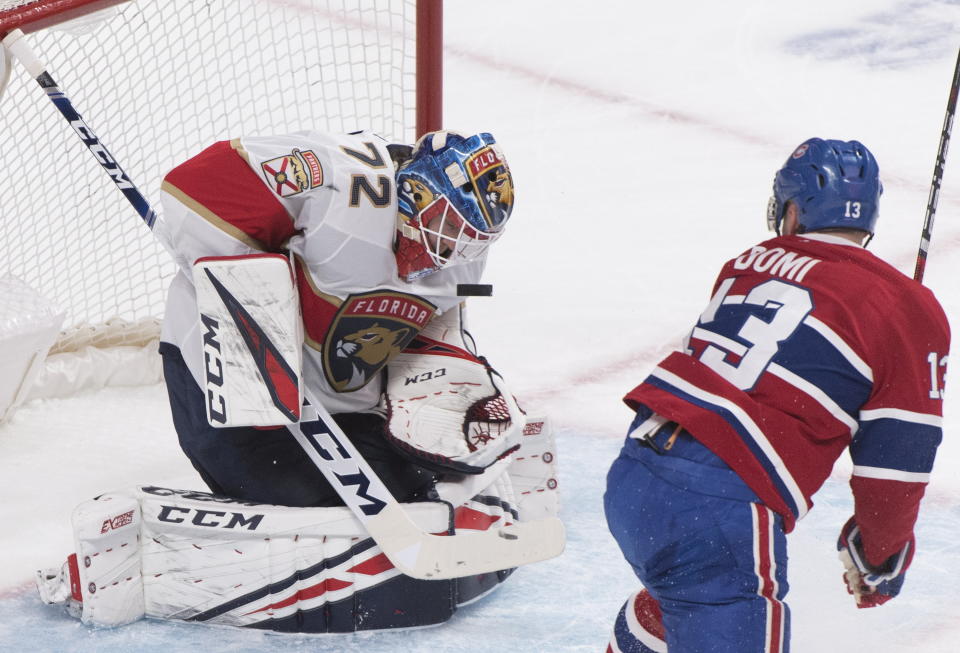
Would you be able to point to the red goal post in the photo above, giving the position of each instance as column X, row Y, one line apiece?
column 158, row 80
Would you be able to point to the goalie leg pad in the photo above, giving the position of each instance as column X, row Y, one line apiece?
column 102, row 581
column 192, row 556
column 533, row 470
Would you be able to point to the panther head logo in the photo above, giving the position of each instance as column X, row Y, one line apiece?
column 500, row 190
column 367, row 350
column 419, row 193
column 367, row 331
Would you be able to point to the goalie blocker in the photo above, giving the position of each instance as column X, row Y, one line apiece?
column 251, row 340
column 193, row 556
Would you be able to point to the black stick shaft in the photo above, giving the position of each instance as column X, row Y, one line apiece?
column 99, row 151
column 934, row 196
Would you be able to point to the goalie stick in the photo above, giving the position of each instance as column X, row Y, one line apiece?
column 934, row 195
column 414, row 552
column 17, row 46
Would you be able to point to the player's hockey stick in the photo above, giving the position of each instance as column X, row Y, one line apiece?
column 934, row 195
column 18, row 47
column 413, row 552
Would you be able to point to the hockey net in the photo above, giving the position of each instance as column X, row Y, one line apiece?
column 158, row 80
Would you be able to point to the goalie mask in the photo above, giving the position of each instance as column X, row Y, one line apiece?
column 455, row 196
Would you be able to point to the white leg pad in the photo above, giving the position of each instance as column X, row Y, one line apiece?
column 107, row 539
column 526, row 480
column 533, row 471
column 173, row 554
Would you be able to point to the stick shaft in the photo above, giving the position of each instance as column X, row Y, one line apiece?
column 19, row 48
column 934, row 196
column 98, row 149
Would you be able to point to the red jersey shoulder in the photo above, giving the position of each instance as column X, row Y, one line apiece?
column 847, row 271
column 217, row 163
column 220, row 186
column 865, row 301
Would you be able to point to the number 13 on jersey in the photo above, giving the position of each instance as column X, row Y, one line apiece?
column 938, row 374
column 790, row 305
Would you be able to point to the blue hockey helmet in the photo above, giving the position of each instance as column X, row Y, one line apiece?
column 835, row 184
column 455, row 195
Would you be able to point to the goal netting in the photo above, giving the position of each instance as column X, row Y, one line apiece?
column 159, row 80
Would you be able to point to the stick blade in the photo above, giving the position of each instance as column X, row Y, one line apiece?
column 438, row 557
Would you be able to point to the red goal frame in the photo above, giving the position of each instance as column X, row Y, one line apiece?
column 41, row 14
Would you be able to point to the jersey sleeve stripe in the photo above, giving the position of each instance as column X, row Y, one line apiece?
column 751, row 433
column 212, row 217
column 892, row 444
column 902, row 415
column 858, row 363
column 226, row 191
column 319, row 308
column 890, row 474
column 816, row 394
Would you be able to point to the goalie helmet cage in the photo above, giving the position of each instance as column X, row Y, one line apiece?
column 159, row 80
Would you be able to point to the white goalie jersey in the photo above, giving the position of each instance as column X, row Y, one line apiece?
column 233, row 215
column 330, row 201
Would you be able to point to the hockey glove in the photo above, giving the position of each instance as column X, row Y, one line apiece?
column 448, row 409
column 870, row 585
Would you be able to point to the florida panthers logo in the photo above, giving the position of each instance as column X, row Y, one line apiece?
column 367, row 350
column 368, row 330
column 500, row 192
column 419, row 193
column 493, row 185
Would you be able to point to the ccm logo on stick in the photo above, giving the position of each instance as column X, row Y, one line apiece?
column 101, row 153
column 209, row 518
column 213, row 365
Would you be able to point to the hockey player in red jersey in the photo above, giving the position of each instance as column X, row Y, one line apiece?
column 809, row 346
column 339, row 262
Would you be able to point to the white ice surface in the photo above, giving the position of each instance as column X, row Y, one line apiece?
column 643, row 138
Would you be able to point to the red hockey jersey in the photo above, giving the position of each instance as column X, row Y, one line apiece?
column 809, row 345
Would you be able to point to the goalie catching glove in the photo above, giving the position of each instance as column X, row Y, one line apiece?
column 869, row 584
column 448, row 409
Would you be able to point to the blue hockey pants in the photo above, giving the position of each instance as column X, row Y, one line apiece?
column 710, row 555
